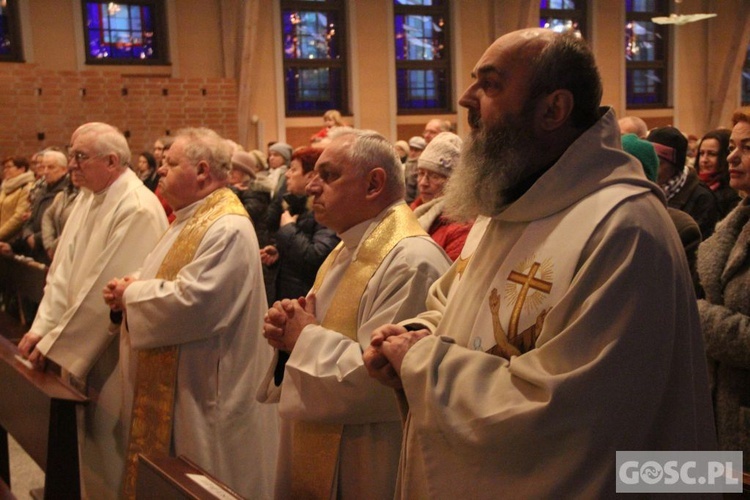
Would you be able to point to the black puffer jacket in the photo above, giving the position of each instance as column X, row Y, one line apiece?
column 302, row 246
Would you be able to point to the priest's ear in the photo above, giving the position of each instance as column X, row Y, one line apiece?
column 376, row 179
column 203, row 171
column 554, row 109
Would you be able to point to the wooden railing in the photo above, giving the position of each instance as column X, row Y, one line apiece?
column 39, row 411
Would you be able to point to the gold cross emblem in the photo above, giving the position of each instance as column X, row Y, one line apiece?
column 528, row 282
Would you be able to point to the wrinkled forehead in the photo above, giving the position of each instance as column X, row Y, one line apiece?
column 336, row 152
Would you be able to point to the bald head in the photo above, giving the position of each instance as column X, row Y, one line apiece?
column 633, row 125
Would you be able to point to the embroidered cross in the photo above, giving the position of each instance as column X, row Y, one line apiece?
column 527, row 281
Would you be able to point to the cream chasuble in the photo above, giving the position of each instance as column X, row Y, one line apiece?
column 534, row 275
column 152, row 419
column 581, row 290
column 316, row 445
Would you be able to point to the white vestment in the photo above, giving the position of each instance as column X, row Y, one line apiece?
column 618, row 358
column 325, row 379
column 108, row 234
column 214, row 312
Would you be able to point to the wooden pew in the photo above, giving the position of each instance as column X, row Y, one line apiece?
column 167, row 477
column 29, row 278
column 39, row 411
column 21, row 279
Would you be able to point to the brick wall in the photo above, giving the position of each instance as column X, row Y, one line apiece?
column 35, row 101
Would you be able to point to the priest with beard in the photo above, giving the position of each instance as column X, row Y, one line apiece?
column 567, row 329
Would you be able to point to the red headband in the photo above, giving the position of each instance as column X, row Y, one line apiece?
column 665, row 153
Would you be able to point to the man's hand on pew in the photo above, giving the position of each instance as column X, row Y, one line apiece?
column 27, row 347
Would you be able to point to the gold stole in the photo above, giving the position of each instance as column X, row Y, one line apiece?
column 315, row 446
column 156, row 375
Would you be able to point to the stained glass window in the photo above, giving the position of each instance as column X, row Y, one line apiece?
column 423, row 73
column 10, row 32
column 646, row 49
column 125, row 32
column 563, row 16
column 314, row 56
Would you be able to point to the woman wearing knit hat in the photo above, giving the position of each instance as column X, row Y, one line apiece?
column 255, row 196
column 434, row 168
column 402, row 148
column 279, row 156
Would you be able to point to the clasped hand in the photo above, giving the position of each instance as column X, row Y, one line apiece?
column 385, row 354
column 286, row 319
column 114, row 290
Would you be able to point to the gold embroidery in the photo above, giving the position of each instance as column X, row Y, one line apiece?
column 528, row 282
column 316, row 446
column 461, row 265
column 531, row 292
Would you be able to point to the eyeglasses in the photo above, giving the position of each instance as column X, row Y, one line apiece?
column 79, row 157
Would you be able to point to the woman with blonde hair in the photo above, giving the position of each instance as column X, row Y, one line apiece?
column 332, row 119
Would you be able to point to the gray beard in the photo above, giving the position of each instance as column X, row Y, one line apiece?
column 492, row 163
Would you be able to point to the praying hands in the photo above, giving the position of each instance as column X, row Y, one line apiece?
column 286, row 319
column 388, row 346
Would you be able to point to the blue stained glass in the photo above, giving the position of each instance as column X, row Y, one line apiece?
column 558, row 4
column 560, row 25
column 5, row 43
column 317, row 89
column 421, row 89
column 641, row 6
column 644, row 86
column 419, row 38
column 92, row 16
column 120, row 30
column 147, row 20
column 643, row 41
column 419, row 2
column 310, row 35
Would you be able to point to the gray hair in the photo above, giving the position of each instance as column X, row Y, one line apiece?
column 369, row 150
column 106, row 140
column 56, row 156
column 203, row 144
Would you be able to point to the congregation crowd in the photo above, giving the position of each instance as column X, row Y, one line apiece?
column 434, row 317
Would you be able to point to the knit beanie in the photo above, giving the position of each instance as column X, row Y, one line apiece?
column 284, row 150
column 244, row 162
column 403, row 145
column 417, row 142
column 644, row 151
column 441, row 154
column 261, row 160
column 676, row 145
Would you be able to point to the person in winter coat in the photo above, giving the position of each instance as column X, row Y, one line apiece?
column 302, row 244
column 434, row 168
column 724, row 270
column 14, row 196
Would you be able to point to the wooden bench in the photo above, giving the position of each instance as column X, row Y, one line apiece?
column 39, row 411
column 23, row 280
column 167, row 477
